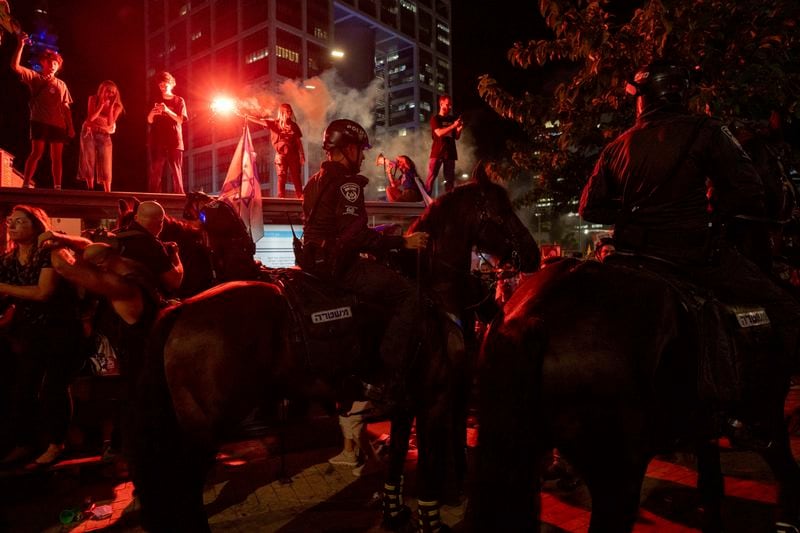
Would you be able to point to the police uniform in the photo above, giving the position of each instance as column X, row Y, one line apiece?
column 668, row 184
column 335, row 233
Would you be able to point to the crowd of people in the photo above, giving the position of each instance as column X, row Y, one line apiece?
column 59, row 292
column 51, row 125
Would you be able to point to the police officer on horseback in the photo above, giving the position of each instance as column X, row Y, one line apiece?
column 670, row 185
column 335, row 233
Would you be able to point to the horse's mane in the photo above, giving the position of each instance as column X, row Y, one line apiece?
column 450, row 206
column 175, row 229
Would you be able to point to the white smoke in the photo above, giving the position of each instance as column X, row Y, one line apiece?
column 321, row 99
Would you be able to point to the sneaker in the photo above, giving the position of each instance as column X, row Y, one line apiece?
column 48, row 458
column 345, row 458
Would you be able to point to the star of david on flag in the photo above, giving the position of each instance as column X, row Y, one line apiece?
column 241, row 187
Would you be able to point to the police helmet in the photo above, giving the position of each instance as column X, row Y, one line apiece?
column 660, row 80
column 343, row 132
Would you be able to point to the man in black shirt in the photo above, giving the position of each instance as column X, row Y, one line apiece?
column 165, row 138
column 140, row 242
column 445, row 131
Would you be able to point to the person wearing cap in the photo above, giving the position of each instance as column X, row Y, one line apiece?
column 51, row 118
column 335, row 234
column 670, row 185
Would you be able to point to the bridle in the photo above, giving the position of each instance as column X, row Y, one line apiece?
column 486, row 218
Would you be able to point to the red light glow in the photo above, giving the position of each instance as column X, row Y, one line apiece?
column 223, row 105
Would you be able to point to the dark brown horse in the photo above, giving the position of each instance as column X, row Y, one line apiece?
column 214, row 357
column 599, row 361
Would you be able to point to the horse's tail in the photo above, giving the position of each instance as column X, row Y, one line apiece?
column 160, row 468
column 505, row 495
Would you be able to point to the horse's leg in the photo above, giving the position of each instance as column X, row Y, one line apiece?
column 505, row 491
column 784, row 467
column 433, row 440
column 453, row 489
column 615, row 483
column 710, row 484
column 395, row 512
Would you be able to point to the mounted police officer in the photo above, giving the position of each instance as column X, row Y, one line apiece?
column 335, row 233
column 669, row 184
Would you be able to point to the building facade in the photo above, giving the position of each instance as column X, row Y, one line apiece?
column 242, row 47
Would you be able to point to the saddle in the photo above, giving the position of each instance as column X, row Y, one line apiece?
column 730, row 336
column 331, row 329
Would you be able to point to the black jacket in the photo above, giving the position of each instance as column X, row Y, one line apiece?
column 336, row 218
column 665, row 180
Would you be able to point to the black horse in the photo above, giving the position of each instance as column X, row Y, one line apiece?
column 232, row 248
column 215, row 356
column 601, row 362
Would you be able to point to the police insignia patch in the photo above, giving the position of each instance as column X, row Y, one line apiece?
column 350, row 191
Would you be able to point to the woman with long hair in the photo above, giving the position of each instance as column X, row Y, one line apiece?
column 287, row 139
column 402, row 187
column 101, row 122
column 44, row 336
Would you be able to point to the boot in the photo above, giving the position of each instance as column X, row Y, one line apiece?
column 395, row 513
column 429, row 519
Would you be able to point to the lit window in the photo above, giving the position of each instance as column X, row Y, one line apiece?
column 408, row 5
column 258, row 55
column 285, row 53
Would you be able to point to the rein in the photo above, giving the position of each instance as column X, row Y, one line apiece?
column 485, row 217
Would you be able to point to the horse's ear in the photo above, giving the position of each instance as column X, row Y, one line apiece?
column 135, row 204
column 479, row 174
column 122, row 207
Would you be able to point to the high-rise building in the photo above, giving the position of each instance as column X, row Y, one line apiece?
column 217, row 46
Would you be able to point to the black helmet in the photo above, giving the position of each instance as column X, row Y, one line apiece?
column 342, row 132
column 660, row 80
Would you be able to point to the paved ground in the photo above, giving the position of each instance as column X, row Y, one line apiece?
column 244, row 493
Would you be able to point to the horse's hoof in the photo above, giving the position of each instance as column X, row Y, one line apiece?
column 395, row 522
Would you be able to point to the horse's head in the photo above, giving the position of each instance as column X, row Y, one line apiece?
column 195, row 202
column 478, row 215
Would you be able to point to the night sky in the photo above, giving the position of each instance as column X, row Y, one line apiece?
column 103, row 39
